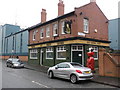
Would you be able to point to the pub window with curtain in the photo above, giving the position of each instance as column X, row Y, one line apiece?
column 86, row 25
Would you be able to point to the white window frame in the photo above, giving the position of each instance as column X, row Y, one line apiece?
column 62, row 27
column 95, row 50
column 86, row 25
column 41, row 31
column 32, row 51
column 34, row 35
column 49, row 49
column 55, row 29
column 77, row 49
column 48, row 31
column 60, row 50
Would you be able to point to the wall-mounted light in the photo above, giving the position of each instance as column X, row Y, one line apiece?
column 95, row 30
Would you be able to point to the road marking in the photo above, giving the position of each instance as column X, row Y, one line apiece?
column 40, row 84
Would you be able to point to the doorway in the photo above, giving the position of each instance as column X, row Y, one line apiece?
column 77, row 54
column 41, row 57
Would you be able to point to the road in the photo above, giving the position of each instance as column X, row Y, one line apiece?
column 26, row 78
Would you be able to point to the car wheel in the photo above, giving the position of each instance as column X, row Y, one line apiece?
column 12, row 65
column 7, row 64
column 51, row 75
column 73, row 79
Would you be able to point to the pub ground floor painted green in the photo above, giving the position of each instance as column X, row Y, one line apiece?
column 52, row 55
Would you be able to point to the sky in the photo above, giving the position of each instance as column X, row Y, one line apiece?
column 26, row 13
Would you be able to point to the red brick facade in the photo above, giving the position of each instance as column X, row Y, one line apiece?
column 97, row 20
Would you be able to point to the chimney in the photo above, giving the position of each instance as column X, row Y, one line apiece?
column 93, row 1
column 43, row 15
column 60, row 8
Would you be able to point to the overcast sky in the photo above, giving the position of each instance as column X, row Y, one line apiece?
column 27, row 13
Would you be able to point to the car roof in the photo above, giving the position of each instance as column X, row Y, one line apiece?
column 13, row 59
column 69, row 63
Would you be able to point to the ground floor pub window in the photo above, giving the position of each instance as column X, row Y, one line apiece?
column 49, row 53
column 33, row 54
column 61, row 52
column 95, row 50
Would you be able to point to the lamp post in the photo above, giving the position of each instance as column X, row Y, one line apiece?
column 12, row 53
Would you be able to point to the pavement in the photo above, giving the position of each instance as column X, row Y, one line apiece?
column 112, row 81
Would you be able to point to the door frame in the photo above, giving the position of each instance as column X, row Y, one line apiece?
column 78, row 50
column 41, row 57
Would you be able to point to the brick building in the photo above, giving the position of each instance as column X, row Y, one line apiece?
column 68, row 36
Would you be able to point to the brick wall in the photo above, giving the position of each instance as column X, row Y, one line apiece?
column 97, row 20
column 22, row 58
column 109, row 64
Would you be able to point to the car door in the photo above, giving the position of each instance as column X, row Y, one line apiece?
column 9, row 62
column 63, row 71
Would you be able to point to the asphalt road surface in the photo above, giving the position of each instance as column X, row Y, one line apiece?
column 26, row 78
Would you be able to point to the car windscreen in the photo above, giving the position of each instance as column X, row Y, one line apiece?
column 76, row 65
column 15, row 60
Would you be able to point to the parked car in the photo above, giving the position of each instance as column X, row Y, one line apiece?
column 70, row 70
column 14, row 62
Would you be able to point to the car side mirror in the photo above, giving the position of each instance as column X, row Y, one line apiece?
column 56, row 67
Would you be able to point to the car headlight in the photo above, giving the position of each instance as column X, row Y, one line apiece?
column 15, row 64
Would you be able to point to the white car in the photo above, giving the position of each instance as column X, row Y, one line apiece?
column 70, row 70
column 14, row 62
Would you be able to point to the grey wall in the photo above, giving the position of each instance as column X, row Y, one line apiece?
column 6, row 30
column 119, row 34
column 0, row 39
column 17, row 42
column 114, row 34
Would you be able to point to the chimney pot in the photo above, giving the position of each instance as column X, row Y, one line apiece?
column 43, row 15
column 60, row 8
column 92, row 0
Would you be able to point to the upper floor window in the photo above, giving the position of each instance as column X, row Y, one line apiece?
column 62, row 27
column 48, row 31
column 86, row 25
column 34, row 34
column 55, row 29
column 41, row 33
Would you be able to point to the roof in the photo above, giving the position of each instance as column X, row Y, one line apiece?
column 50, row 21
column 114, row 19
column 16, row 33
column 60, row 17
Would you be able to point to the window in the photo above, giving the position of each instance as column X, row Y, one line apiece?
column 95, row 50
column 34, row 34
column 49, row 53
column 63, row 66
column 33, row 54
column 55, row 29
column 77, row 48
column 86, row 25
column 48, row 31
column 62, row 27
column 42, row 33
column 61, row 52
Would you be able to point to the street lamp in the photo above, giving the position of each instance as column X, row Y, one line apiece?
column 12, row 53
